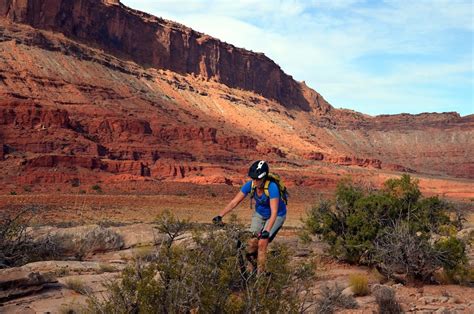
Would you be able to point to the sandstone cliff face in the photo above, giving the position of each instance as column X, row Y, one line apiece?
column 154, row 42
column 78, row 109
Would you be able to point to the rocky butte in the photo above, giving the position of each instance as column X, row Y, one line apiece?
column 93, row 91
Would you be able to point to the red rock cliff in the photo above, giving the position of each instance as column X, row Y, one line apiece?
column 154, row 42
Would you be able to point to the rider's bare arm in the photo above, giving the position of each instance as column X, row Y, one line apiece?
column 232, row 204
column 274, row 210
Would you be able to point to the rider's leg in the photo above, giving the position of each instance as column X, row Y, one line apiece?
column 263, row 243
column 262, row 255
column 251, row 255
column 252, row 246
column 256, row 226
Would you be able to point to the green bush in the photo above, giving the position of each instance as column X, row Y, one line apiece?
column 96, row 188
column 173, row 227
column 208, row 277
column 360, row 226
column 452, row 252
column 454, row 260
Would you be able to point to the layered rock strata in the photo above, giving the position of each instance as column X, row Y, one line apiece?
column 159, row 43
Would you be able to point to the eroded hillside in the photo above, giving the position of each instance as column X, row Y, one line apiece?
column 87, row 99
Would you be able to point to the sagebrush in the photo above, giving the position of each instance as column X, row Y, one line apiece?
column 393, row 228
column 17, row 246
column 206, row 276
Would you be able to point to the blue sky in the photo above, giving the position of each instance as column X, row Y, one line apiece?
column 376, row 57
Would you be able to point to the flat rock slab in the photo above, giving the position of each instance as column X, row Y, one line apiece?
column 52, row 300
column 138, row 235
column 34, row 277
column 17, row 281
column 133, row 235
column 61, row 268
column 59, row 297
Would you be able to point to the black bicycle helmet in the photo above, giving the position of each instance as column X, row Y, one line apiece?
column 259, row 169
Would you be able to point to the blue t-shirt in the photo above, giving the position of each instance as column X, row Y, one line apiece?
column 262, row 203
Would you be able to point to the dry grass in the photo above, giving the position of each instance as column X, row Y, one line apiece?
column 62, row 271
column 72, row 308
column 107, row 268
column 376, row 276
column 442, row 278
column 78, row 285
column 144, row 252
column 359, row 284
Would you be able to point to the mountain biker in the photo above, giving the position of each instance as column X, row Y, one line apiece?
column 269, row 215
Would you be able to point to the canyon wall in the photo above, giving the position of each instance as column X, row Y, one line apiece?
column 155, row 42
column 85, row 98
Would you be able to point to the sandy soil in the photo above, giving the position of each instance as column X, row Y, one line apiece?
column 197, row 202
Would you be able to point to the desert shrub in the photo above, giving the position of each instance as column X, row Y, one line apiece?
column 453, row 258
column 78, row 285
column 400, row 251
column 97, row 239
column 72, row 308
column 62, row 271
column 386, row 300
column 106, row 223
column 96, row 188
column 144, row 253
column 17, row 246
column 107, row 268
column 452, row 252
column 208, row 277
column 173, row 227
column 14, row 240
column 66, row 224
column 332, row 299
column 365, row 226
column 75, row 182
column 359, row 284
column 100, row 239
